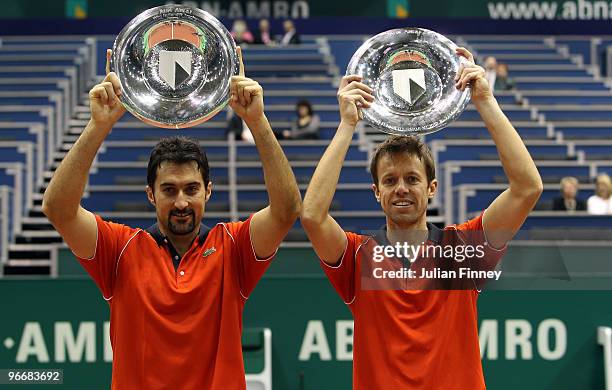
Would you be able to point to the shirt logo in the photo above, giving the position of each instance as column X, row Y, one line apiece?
column 209, row 252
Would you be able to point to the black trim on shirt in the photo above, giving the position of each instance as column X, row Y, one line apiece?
column 434, row 234
column 161, row 240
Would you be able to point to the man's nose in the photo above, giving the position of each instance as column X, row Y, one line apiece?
column 401, row 188
column 180, row 202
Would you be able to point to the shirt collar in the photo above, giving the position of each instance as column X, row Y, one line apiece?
column 434, row 234
column 159, row 237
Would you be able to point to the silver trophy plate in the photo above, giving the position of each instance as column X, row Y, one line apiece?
column 174, row 64
column 412, row 72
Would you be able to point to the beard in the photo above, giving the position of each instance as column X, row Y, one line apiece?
column 182, row 227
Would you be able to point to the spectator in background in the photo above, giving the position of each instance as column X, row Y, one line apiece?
column 291, row 36
column 306, row 126
column 241, row 33
column 491, row 70
column 263, row 36
column 502, row 81
column 601, row 202
column 568, row 201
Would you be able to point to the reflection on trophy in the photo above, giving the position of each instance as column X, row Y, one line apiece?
column 174, row 64
column 412, row 73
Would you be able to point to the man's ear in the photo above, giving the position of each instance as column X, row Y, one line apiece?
column 208, row 191
column 431, row 190
column 376, row 192
column 150, row 195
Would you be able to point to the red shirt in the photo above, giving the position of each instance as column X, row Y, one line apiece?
column 409, row 338
column 176, row 328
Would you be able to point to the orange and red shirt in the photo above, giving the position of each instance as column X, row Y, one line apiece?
column 176, row 323
column 410, row 338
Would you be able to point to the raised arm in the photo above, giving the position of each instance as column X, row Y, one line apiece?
column 508, row 211
column 62, row 198
column 270, row 225
column 327, row 237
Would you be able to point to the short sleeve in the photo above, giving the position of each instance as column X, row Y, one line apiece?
column 475, row 225
column 472, row 232
column 250, row 268
column 342, row 275
column 111, row 241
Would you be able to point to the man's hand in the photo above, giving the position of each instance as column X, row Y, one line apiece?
column 104, row 104
column 353, row 95
column 474, row 76
column 246, row 95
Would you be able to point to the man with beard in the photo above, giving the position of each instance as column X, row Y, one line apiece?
column 177, row 290
column 408, row 337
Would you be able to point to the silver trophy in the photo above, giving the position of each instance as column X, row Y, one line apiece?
column 174, row 64
column 412, row 72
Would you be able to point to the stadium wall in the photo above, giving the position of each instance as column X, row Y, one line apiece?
column 529, row 339
column 330, row 25
column 304, row 9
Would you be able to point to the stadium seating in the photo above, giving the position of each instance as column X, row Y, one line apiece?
column 561, row 108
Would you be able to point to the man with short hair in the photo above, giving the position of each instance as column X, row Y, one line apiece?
column 490, row 68
column 291, row 36
column 407, row 334
column 568, row 200
column 176, row 290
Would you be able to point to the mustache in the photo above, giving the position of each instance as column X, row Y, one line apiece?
column 181, row 213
